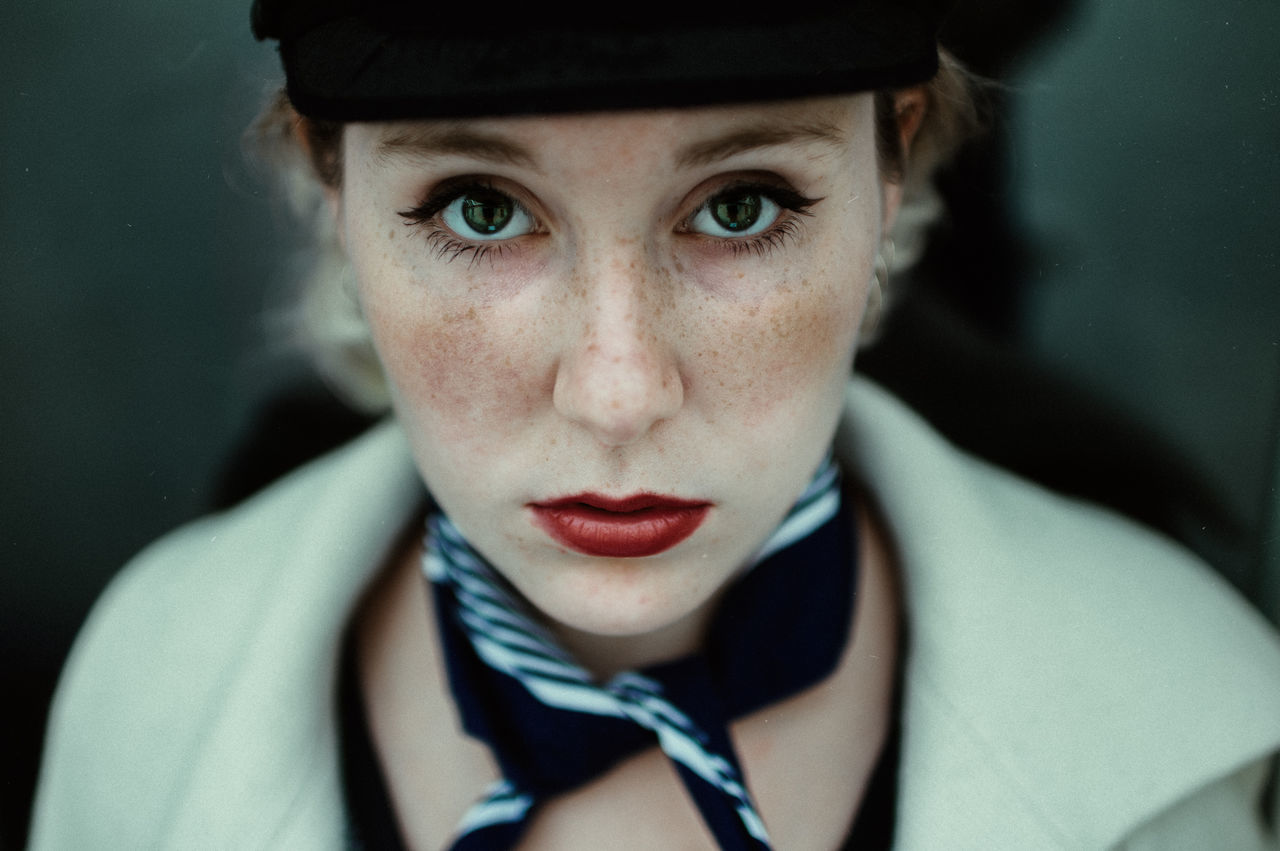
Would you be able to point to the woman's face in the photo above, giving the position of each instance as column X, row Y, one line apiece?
column 618, row 342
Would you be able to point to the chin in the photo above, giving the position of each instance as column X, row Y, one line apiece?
column 627, row 612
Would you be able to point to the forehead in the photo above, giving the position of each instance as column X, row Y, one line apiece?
column 682, row 138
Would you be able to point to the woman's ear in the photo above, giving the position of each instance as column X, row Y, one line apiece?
column 323, row 151
column 909, row 106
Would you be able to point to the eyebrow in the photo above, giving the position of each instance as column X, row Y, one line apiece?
column 750, row 139
column 430, row 142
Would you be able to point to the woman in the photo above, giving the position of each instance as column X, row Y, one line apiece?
column 616, row 294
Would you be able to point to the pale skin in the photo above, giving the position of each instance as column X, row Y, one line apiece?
column 613, row 336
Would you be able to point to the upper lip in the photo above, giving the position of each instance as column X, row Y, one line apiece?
column 621, row 504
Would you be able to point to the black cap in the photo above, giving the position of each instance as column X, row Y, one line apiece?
column 391, row 59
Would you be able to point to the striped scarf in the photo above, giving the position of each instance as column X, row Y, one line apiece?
column 780, row 628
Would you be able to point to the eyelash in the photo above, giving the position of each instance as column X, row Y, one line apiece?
column 792, row 205
column 450, row 246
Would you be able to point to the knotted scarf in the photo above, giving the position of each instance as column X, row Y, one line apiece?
column 780, row 629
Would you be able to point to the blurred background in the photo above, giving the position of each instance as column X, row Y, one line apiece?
column 1101, row 311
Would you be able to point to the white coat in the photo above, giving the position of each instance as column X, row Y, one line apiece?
column 1073, row 681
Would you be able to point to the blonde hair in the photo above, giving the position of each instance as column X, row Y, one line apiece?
column 324, row 319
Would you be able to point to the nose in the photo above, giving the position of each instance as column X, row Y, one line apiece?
column 618, row 376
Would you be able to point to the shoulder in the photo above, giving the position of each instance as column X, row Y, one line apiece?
column 1231, row 812
column 202, row 624
column 206, row 582
column 1073, row 666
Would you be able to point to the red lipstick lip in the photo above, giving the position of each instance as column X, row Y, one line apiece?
column 619, row 527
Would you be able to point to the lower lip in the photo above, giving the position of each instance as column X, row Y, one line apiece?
column 634, row 533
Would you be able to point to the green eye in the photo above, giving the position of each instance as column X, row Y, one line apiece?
column 483, row 214
column 736, row 213
column 487, row 213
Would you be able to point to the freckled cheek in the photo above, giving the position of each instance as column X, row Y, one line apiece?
column 461, row 366
column 462, row 379
column 789, row 354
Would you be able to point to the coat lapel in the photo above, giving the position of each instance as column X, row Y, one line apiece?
column 1063, row 678
column 267, row 773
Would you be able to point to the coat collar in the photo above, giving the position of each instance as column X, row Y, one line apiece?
column 267, row 774
column 1066, row 668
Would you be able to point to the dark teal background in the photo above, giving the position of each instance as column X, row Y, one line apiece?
column 138, row 252
column 1147, row 164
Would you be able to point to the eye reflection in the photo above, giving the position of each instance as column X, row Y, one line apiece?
column 486, row 213
column 738, row 212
